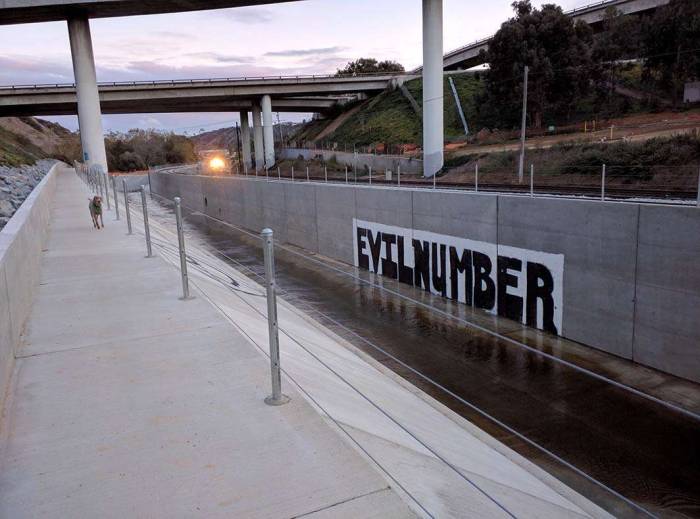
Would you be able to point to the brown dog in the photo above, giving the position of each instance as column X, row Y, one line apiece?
column 96, row 212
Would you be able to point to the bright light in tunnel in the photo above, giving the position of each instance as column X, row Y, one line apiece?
column 217, row 164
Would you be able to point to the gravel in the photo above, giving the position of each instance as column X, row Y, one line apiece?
column 16, row 184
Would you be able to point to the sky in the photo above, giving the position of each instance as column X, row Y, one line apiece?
column 305, row 37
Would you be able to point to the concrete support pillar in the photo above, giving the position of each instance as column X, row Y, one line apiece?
column 258, row 137
column 89, row 114
column 245, row 141
column 433, row 120
column 268, row 131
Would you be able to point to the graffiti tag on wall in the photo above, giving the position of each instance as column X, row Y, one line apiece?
column 519, row 284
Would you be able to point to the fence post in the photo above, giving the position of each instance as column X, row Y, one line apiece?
column 126, row 206
column 105, row 177
column 116, row 198
column 146, row 227
column 279, row 173
column 370, row 175
column 398, row 175
column 325, row 172
column 307, row 173
column 346, row 174
column 277, row 398
column 292, row 173
column 532, row 180
column 602, row 184
column 183, row 254
column 476, row 177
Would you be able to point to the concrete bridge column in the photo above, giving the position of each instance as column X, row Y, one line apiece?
column 433, row 123
column 245, row 140
column 258, row 137
column 268, row 131
column 89, row 114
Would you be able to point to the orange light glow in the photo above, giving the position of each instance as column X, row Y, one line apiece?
column 217, row 164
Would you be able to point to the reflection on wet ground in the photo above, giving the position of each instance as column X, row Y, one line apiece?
column 646, row 452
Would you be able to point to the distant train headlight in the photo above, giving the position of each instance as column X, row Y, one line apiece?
column 217, row 164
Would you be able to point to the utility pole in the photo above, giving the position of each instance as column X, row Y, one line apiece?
column 521, row 165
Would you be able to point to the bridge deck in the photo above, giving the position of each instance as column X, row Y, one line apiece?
column 129, row 402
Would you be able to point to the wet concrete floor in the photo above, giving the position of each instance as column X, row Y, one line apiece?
column 640, row 449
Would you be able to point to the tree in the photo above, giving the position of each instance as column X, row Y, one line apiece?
column 369, row 66
column 556, row 50
column 671, row 43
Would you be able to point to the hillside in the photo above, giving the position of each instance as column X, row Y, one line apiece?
column 24, row 140
column 226, row 138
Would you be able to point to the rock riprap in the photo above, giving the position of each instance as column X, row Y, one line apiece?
column 16, row 184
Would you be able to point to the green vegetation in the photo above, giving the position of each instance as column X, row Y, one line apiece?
column 369, row 66
column 16, row 150
column 140, row 149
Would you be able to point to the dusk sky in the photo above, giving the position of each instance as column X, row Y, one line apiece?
column 306, row 37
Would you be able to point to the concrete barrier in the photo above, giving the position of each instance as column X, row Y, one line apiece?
column 21, row 243
column 379, row 163
column 630, row 281
column 133, row 182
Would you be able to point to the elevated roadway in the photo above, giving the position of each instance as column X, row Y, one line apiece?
column 470, row 56
column 287, row 94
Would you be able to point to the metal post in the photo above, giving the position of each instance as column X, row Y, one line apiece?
column 698, row 202
column 277, row 398
column 307, row 173
column 279, row 173
column 459, row 106
column 292, row 173
column 370, row 175
column 602, row 184
column 267, row 174
column 398, row 175
column 346, row 175
column 521, row 164
column 476, row 177
column 126, row 206
column 116, row 199
column 434, row 180
column 98, row 179
column 325, row 172
column 532, row 180
column 109, row 208
column 146, row 227
column 181, row 246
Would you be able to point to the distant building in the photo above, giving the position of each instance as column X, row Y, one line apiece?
column 691, row 93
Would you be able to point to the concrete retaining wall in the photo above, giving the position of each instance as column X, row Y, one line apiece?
column 133, row 182
column 21, row 243
column 631, row 282
column 378, row 163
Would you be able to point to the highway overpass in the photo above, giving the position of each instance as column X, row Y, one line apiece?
column 470, row 56
column 287, row 94
column 87, row 97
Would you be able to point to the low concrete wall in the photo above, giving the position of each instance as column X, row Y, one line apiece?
column 133, row 182
column 631, row 278
column 378, row 163
column 21, row 243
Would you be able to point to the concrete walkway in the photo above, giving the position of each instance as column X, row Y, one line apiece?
column 128, row 402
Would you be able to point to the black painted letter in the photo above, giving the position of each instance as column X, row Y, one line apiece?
column 484, row 287
column 540, row 285
column 509, row 306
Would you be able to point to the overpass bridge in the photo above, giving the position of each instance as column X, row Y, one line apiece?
column 308, row 93
column 470, row 56
column 88, row 96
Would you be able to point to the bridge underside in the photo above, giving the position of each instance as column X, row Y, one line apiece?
column 69, row 106
column 32, row 11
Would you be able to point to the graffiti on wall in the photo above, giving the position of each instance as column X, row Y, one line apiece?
column 519, row 284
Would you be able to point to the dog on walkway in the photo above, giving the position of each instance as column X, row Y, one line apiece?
column 96, row 212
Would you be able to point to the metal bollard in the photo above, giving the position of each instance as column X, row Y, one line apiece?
column 346, row 174
column 183, row 254
column 279, row 173
column 126, row 206
column 292, row 173
column 277, row 398
column 109, row 208
column 602, row 184
column 307, row 173
column 398, row 175
column 370, row 175
column 434, row 180
column 325, row 172
column 116, row 199
column 532, row 180
column 146, row 227
column 267, row 174
column 476, row 177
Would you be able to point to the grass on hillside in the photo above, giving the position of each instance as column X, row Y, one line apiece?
column 16, row 150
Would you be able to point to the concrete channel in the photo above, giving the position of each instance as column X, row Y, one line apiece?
column 644, row 451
